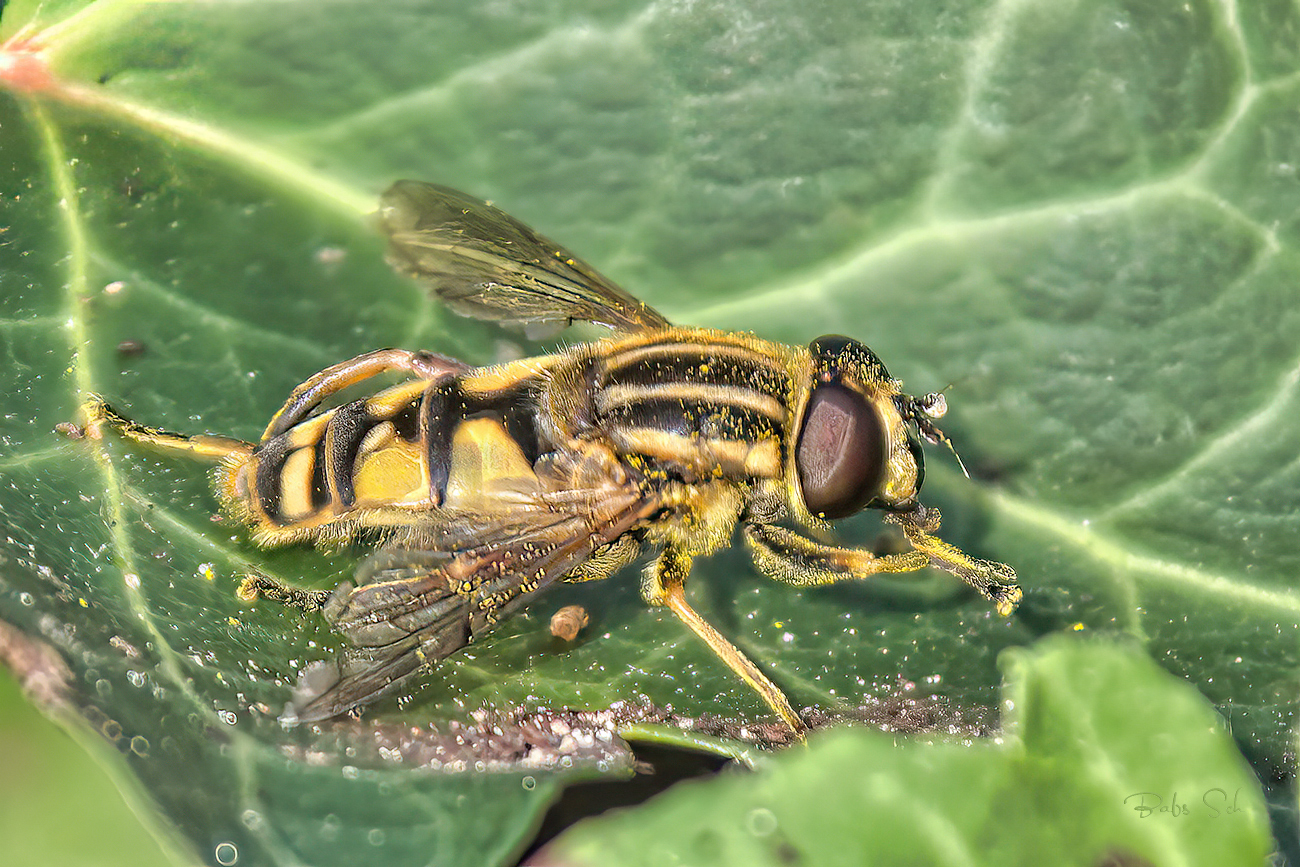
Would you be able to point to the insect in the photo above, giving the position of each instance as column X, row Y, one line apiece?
column 487, row 485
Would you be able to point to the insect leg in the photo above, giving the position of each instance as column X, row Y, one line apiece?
column 335, row 378
column 788, row 557
column 665, row 584
column 606, row 561
column 793, row 559
column 98, row 414
column 255, row 587
column 995, row 581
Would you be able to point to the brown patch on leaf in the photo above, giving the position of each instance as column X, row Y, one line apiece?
column 903, row 711
column 38, row 667
column 70, row 430
column 540, row 739
column 489, row 741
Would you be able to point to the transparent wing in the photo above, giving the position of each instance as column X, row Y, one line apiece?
column 415, row 606
column 486, row 264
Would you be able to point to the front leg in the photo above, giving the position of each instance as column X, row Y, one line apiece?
column 994, row 581
column 664, row 583
column 793, row 559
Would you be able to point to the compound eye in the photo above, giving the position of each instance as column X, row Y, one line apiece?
column 841, row 452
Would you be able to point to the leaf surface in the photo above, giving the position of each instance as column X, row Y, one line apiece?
column 1079, row 215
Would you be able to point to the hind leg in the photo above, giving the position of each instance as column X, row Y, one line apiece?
column 98, row 414
column 336, row 377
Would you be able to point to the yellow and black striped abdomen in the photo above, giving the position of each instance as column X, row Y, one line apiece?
column 393, row 458
column 365, row 455
column 699, row 402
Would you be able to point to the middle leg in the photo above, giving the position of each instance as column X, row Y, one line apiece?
column 665, row 584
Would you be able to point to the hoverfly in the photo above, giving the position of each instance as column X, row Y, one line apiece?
column 487, row 485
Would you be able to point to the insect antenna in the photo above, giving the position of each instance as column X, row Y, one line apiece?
column 923, row 411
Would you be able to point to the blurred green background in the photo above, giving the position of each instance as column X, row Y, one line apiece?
column 57, row 805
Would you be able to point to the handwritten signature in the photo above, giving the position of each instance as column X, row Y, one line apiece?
column 1215, row 800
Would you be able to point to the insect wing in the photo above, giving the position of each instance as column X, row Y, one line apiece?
column 486, row 264
column 422, row 605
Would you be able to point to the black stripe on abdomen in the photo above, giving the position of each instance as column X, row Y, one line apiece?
column 343, row 437
column 271, row 456
column 441, row 409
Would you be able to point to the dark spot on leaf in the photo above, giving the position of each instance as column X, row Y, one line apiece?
column 659, row 768
column 1123, row 858
column 130, row 348
column 785, row 852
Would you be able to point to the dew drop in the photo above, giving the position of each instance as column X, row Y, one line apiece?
column 26, row 599
column 529, row 783
column 376, row 837
column 226, row 854
column 761, row 822
column 140, row 746
column 252, row 819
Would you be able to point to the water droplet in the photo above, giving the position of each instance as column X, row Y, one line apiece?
column 136, row 677
column 529, row 783
column 26, row 599
column 330, row 255
column 140, row 746
column 761, row 822
column 349, row 772
column 376, row 837
column 252, row 819
column 226, row 854
column 228, row 717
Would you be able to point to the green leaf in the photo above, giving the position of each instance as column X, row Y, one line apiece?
column 1079, row 214
column 1068, row 784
